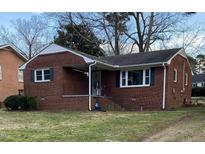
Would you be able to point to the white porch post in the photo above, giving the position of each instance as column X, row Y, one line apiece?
column 90, row 85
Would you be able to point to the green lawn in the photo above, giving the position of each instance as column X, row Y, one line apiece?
column 89, row 126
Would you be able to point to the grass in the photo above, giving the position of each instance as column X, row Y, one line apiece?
column 91, row 126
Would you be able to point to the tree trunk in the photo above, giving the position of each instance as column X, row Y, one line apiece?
column 147, row 43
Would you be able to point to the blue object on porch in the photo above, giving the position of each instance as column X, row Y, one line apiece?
column 97, row 105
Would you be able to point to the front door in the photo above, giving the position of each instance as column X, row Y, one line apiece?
column 96, row 83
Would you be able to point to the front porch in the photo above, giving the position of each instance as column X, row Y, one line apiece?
column 87, row 82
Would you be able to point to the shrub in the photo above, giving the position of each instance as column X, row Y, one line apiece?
column 198, row 91
column 31, row 101
column 12, row 103
column 17, row 102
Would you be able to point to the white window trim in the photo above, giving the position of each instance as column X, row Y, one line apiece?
column 20, row 74
column 42, row 70
column 175, row 78
column 186, row 79
column 131, row 86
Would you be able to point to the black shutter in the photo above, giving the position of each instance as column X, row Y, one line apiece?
column 117, row 79
column 32, row 75
column 52, row 73
column 152, row 76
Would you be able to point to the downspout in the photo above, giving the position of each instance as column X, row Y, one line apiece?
column 164, row 87
column 90, row 88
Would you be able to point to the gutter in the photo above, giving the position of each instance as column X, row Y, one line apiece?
column 164, row 87
column 90, row 88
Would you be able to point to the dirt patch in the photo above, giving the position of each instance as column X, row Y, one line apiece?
column 188, row 128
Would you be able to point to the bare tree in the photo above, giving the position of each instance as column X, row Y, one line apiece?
column 29, row 35
column 147, row 28
column 138, row 31
column 109, row 27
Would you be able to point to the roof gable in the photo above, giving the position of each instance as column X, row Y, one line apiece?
column 15, row 50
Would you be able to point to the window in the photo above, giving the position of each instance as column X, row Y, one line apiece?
column 1, row 76
column 175, row 75
column 135, row 78
column 42, row 75
column 147, row 76
column 20, row 76
column 203, row 84
column 186, row 79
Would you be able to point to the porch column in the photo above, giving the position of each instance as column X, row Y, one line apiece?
column 89, row 74
column 90, row 85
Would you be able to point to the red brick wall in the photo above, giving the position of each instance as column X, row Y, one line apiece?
column 175, row 99
column 49, row 94
column 69, row 82
column 75, row 83
column 9, row 62
column 134, row 98
column 63, row 103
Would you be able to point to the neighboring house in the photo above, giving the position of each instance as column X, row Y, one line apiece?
column 198, row 80
column 63, row 78
column 11, row 79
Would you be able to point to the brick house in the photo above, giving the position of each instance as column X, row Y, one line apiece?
column 62, row 78
column 11, row 79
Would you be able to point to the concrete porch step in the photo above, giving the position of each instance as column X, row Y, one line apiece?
column 107, row 104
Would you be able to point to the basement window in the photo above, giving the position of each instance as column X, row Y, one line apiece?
column 42, row 75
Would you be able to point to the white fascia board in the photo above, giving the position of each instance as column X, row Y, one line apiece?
column 183, row 54
column 22, row 67
column 180, row 52
column 54, row 48
column 106, row 64
column 139, row 65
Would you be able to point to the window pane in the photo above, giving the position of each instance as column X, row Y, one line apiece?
column 39, row 77
column 47, row 72
column 147, row 80
column 47, row 77
column 39, row 73
column 147, row 72
column 123, row 75
column 135, row 77
column 147, row 76
column 123, row 82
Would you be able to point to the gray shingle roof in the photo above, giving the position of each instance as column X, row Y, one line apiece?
column 198, row 78
column 141, row 58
